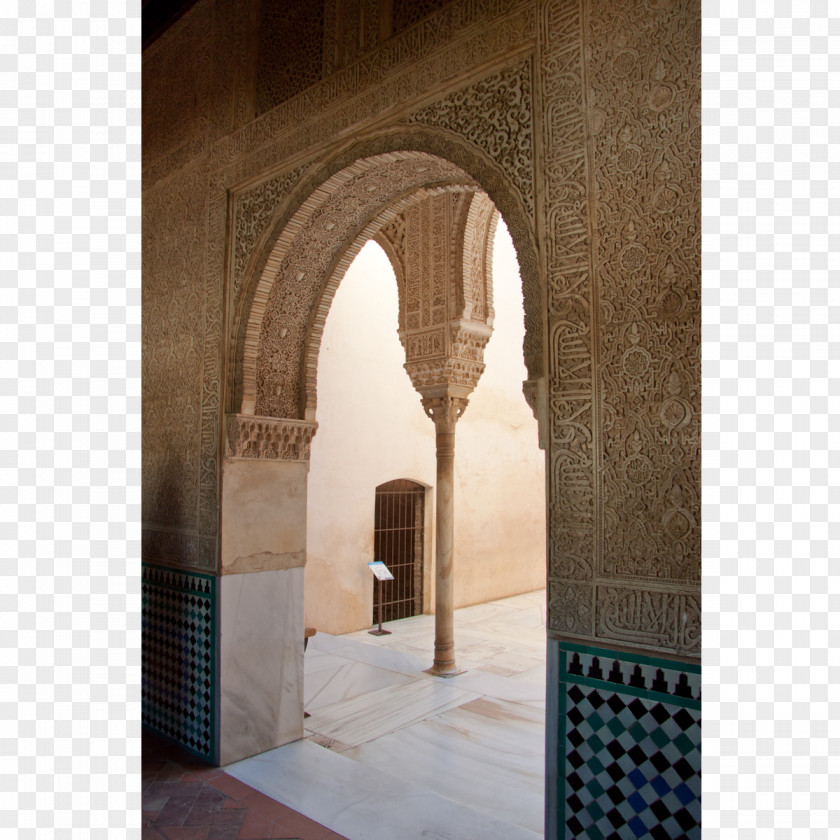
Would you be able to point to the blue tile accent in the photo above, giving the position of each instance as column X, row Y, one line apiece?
column 630, row 731
column 178, row 661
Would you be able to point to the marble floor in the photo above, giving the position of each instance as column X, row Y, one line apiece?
column 392, row 753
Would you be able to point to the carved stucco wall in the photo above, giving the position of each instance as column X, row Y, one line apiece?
column 621, row 139
column 599, row 100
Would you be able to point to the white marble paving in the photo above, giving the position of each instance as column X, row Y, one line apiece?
column 392, row 753
column 488, row 754
column 324, row 686
column 372, row 715
column 364, row 803
column 513, row 690
column 351, row 648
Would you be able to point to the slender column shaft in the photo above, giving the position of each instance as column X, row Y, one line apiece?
column 445, row 412
column 444, row 591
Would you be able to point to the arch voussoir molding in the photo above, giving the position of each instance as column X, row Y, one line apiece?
column 443, row 161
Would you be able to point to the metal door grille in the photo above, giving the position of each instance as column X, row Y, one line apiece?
column 398, row 543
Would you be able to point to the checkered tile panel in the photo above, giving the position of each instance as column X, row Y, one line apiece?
column 632, row 767
column 178, row 657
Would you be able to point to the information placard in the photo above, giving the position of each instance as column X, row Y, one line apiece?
column 380, row 570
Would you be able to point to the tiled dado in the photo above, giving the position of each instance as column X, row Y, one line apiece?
column 630, row 739
column 179, row 652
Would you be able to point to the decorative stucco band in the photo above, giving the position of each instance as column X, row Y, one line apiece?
column 268, row 438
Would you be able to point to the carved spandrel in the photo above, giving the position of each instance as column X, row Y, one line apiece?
column 253, row 213
column 496, row 114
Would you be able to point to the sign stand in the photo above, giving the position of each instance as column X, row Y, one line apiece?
column 381, row 571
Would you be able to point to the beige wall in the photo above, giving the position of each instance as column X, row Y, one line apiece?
column 372, row 429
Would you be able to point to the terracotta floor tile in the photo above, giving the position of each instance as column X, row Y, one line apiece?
column 231, row 803
column 200, row 816
column 300, row 826
column 231, row 787
column 170, row 772
column 265, row 806
column 256, row 827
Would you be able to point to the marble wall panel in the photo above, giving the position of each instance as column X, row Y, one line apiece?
column 261, row 662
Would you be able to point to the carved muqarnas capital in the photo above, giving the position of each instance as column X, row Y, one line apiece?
column 268, row 438
column 455, row 369
column 445, row 412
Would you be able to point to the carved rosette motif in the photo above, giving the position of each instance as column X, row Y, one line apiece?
column 570, row 609
column 267, row 438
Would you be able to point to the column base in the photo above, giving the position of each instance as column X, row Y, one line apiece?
column 445, row 669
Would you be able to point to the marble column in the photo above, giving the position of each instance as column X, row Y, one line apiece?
column 445, row 411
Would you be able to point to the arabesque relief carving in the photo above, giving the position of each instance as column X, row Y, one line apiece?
column 573, row 443
column 286, row 66
column 496, row 114
column 253, row 213
column 176, row 345
column 625, row 434
column 655, row 619
column 646, row 86
column 279, row 386
column 440, row 249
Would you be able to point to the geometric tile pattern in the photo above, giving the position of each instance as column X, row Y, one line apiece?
column 632, row 747
column 178, row 658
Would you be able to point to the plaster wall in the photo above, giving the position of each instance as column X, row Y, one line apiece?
column 372, row 429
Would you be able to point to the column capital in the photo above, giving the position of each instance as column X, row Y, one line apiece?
column 445, row 411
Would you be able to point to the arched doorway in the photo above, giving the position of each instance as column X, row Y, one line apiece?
column 279, row 311
column 398, row 540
